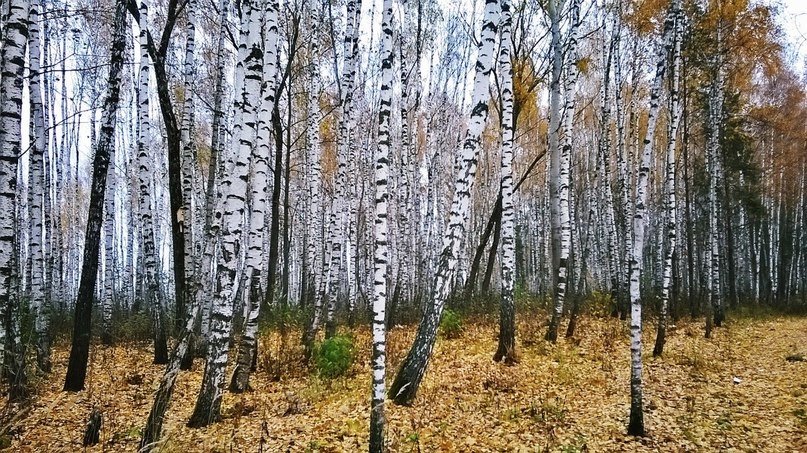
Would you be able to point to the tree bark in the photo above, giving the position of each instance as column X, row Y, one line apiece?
column 406, row 383
column 80, row 348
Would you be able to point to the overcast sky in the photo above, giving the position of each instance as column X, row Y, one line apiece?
column 794, row 19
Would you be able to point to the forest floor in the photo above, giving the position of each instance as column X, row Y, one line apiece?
column 572, row 396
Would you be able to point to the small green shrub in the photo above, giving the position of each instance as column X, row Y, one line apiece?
column 451, row 324
column 334, row 356
column 600, row 304
column 134, row 327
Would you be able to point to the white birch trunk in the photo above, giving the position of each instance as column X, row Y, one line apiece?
column 257, row 213
column 564, row 176
column 12, row 57
column 146, row 203
column 670, row 217
column 507, row 324
column 234, row 189
column 381, row 261
column 636, row 424
column 37, row 187
column 406, row 383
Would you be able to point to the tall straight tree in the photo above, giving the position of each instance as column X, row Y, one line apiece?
column 189, row 151
column 670, row 219
column 329, row 281
column 507, row 319
column 405, row 386
column 556, row 52
column 564, row 170
column 79, row 351
column 381, row 259
column 714, row 167
column 145, row 175
column 338, row 227
column 12, row 61
column 37, row 187
column 636, row 423
column 205, row 262
column 258, row 181
column 232, row 212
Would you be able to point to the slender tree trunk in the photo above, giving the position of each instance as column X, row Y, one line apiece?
column 208, row 403
column 406, row 383
column 247, row 349
column 564, row 176
column 636, row 424
column 506, row 350
column 145, row 175
column 79, row 351
column 198, row 340
column 670, row 226
column 188, row 161
column 12, row 59
column 382, row 175
column 37, row 189
column 715, row 116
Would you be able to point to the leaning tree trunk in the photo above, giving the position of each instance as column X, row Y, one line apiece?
column 381, row 261
column 406, row 383
column 146, row 206
column 258, row 178
column 675, row 117
column 80, row 349
column 506, row 350
column 208, row 403
column 636, row 424
column 564, row 177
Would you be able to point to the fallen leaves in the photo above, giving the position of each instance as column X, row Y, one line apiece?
column 569, row 397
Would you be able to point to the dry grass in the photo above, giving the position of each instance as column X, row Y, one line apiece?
column 567, row 397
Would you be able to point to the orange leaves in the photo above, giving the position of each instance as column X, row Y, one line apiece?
column 645, row 17
column 560, row 397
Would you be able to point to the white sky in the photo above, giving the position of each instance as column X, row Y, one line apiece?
column 794, row 19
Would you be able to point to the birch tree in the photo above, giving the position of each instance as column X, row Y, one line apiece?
column 79, row 351
column 670, row 214
column 12, row 59
column 146, row 204
column 208, row 403
column 258, row 180
column 507, row 318
column 37, row 188
column 562, row 195
column 381, row 257
column 636, row 424
column 406, row 383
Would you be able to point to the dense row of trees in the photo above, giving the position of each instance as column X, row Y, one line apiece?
column 213, row 165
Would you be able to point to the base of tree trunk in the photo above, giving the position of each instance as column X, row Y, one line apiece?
column 506, row 354
column 93, row 430
column 187, row 359
column 661, row 337
column 636, row 424
column 552, row 332
column 240, row 381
